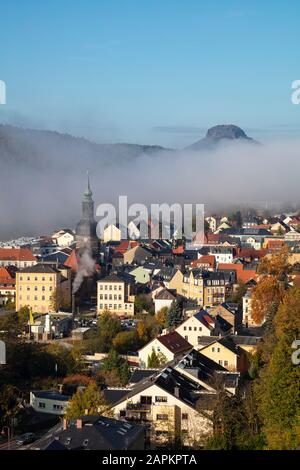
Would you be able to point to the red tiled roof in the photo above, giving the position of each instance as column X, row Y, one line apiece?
column 179, row 250
column 7, row 275
column 204, row 260
column 126, row 245
column 251, row 253
column 16, row 254
column 72, row 261
column 243, row 275
column 174, row 342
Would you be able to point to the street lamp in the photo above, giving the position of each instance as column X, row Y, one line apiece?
column 8, row 430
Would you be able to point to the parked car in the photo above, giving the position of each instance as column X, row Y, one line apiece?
column 26, row 438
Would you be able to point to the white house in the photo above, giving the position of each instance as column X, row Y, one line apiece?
column 63, row 237
column 175, row 405
column 111, row 234
column 200, row 324
column 49, row 401
column 166, row 347
column 222, row 254
column 164, row 298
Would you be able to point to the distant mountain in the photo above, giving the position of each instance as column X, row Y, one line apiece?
column 41, row 149
column 46, row 149
column 221, row 134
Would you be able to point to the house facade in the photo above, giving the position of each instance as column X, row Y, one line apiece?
column 116, row 294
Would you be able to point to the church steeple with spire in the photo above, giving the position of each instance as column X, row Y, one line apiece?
column 86, row 237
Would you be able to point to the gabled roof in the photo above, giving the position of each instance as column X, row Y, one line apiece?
column 141, row 374
column 165, row 294
column 95, row 433
column 120, row 277
column 40, row 269
column 228, row 344
column 174, row 342
column 16, row 254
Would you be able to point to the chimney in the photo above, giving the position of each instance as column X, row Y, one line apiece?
column 65, row 423
column 79, row 423
column 73, row 305
column 176, row 392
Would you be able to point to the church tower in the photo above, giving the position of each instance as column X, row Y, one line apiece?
column 86, row 237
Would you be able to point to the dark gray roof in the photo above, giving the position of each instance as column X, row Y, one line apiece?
column 40, row 268
column 50, row 395
column 245, row 340
column 114, row 395
column 120, row 277
column 142, row 374
column 165, row 294
column 96, row 433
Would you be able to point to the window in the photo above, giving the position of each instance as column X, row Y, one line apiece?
column 195, row 328
column 218, row 349
column 200, row 328
column 162, row 417
column 161, row 399
column 43, row 278
column 58, row 407
column 226, row 363
column 35, row 278
column 185, row 416
column 42, row 404
column 186, row 338
column 213, row 349
column 184, row 328
column 220, row 362
column 35, row 288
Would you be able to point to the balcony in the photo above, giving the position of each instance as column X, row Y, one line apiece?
column 142, row 407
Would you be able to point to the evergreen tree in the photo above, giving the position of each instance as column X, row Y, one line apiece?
column 174, row 316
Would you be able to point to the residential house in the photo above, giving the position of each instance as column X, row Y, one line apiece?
column 116, row 293
column 171, row 277
column 222, row 254
column 49, row 401
column 137, row 255
column 205, row 288
column 206, row 262
column 229, row 312
column 226, row 353
column 164, row 298
column 18, row 257
column 36, row 285
column 196, row 326
column 173, row 405
column 7, row 284
column 167, row 347
column 111, row 234
column 93, row 432
column 64, row 237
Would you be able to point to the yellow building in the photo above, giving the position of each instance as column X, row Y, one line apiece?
column 116, row 294
column 35, row 286
column 206, row 288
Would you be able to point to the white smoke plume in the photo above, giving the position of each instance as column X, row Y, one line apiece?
column 86, row 268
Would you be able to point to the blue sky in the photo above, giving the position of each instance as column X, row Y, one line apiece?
column 151, row 71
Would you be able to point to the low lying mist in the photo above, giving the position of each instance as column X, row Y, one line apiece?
column 42, row 191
